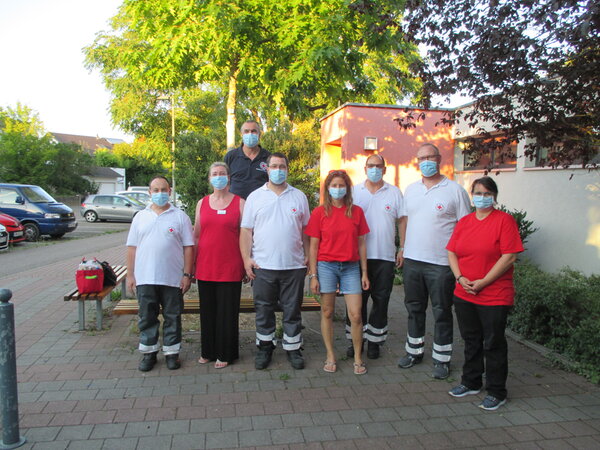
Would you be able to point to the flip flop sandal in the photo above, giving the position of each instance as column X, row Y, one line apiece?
column 221, row 364
column 330, row 366
column 203, row 360
column 360, row 369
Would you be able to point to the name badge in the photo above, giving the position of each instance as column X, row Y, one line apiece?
column 221, row 211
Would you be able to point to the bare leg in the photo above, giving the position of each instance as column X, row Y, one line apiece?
column 354, row 305
column 327, row 309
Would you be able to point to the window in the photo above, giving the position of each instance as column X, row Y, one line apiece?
column 8, row 196
column 544, row 157
column 103, row 200
column 487, row 153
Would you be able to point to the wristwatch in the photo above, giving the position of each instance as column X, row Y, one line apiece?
column 311, row 276
column 189, row 275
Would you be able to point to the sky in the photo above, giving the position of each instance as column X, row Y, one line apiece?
column 42, row 63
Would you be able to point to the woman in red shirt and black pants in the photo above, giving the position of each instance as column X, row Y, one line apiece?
column 481, row 253
column 338, row 254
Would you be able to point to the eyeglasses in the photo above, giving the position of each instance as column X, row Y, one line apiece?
column 427, row 158
column 337, row 171
column 484, row 194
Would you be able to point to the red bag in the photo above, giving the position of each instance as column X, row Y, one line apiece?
column 89, row 280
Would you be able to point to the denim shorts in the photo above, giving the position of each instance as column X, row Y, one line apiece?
column 345, row 275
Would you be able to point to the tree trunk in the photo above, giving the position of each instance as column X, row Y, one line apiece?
column 231, row 102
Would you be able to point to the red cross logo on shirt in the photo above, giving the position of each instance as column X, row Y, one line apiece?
column 439, row 206
column 171, row 229
column 294, row 211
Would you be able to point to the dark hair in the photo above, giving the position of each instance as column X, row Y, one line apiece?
column 159, row 176
column 278, row 155
column 378, row 155
column 487, row 183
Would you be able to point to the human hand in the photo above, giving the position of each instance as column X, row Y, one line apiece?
column 400, row 258
column 467, row 285
column 249, row 266
column 366, row 284
column 315, row 287
column 185, row 284
column 130, row 285
column 478, row 285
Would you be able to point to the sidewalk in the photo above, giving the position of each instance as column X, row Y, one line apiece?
column 83, row 389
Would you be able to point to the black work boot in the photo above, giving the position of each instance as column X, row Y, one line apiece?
column 173, row 362
column 372, row 350
column 147, row 362
column 296, row 359
column 263, row 355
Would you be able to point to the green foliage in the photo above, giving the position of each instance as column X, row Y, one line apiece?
column 301, row 144
column 526, row 228
column 560, row 311
column 22, row 120
column 58, row 168
column 193, row 157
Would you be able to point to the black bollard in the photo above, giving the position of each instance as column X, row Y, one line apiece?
column 9, row 398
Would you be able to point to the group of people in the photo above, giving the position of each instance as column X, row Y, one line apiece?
column 256, row 227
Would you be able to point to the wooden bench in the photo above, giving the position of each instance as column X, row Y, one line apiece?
column 74, row 295
column 192, row 306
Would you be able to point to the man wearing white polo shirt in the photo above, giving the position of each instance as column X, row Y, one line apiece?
column 383, row 207
column 160, row 259
column 433, row 206
column 275, row 253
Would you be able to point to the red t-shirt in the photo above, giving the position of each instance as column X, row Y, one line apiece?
column 478, row 244
column 338, row 233
column 219, row 257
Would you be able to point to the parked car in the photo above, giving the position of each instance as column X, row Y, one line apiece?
column 37, row 211
column 110, row 207
column 138, row 188
column 142, row 197
column 3, row 238
column 16, row 231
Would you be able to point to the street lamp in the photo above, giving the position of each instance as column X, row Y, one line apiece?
column 171, row 98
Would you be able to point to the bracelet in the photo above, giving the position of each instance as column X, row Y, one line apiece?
column 189, row 275
column 311, row 276
column 458, row 278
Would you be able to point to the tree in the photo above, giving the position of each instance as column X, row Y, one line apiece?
column 532, row 67
column 287, row 58
column 21, row 119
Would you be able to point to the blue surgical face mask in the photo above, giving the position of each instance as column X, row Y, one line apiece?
column 428, row 168
column 482, row 202
column 337, row 193
column 219, row 182
column 374, row 174
column 160, row 198
column 277, row 176
column 250, row 139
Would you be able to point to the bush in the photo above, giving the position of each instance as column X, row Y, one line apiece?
column 525, row 226
column 560, row 311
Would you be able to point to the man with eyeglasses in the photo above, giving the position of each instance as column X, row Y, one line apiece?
column 432, row 207
column 248, row 162
column 275, row 253
column 382, row 204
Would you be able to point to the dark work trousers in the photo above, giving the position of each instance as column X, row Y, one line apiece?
column 219, row 319
column 375, row 324
column 151, row 297
column 482, row 329
column 288, row 287
column 421, row 282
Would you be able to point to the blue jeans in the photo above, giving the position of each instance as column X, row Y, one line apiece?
column 346, row 275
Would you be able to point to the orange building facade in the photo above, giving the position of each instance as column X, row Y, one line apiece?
column 354, row 131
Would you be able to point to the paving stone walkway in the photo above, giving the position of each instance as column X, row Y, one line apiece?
column 83, row 389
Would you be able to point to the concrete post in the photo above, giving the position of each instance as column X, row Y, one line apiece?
column 9, row 399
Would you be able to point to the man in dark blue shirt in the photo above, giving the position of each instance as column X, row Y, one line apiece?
column 247, row 163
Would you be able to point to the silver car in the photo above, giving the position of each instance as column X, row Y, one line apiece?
column 142, row 197
column 110, row 207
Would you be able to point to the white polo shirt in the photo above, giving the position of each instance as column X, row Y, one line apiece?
column 382, row 209
column 159, row 242
column 277, row 222
column 432, row 215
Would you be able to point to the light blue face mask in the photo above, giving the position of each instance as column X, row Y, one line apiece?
column 482, row 202
column 160, row 198
column 374, row 174
column 337, row 193
column 277, row 176
column 428, row 168
column 250, row 139
column 219, row 182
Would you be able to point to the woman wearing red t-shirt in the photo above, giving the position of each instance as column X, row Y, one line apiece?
column 338, row 253
column 219, row 269
column 481, row 253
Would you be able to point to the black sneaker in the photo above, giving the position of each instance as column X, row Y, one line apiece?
column 408, row 360
column 173, row 362
column 350, row 350
column 296, row 359
column 263, row 356
column 440, row 370
column 491, row 403
column 462, row 391
column 372, row 350
column 147, row 362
